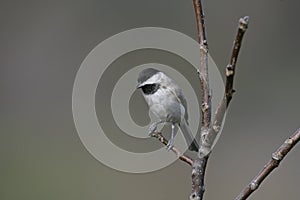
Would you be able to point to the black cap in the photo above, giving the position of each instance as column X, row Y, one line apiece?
column 146, row 74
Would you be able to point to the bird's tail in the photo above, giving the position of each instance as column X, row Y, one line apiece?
column 188, row 135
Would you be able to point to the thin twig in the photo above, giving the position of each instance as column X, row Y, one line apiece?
column 230, row 72
column 230, row 69
column 277, row 157
column 180, row 155
column 203, row 70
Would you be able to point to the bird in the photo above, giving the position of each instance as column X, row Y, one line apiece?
column 167, row 102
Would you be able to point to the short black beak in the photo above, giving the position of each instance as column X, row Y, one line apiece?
column 139, row 86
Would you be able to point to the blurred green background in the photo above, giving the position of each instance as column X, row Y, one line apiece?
column 42, row 46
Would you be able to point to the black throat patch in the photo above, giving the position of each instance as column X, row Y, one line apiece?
column 150, row 88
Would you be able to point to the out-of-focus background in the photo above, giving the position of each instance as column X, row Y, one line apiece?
column 42, row 46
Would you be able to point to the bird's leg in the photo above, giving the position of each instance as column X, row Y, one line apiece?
column 171, row 142
column 153, row 127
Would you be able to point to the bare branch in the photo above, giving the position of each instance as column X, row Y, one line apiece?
column 208, row 133
column 199, row 165
column 180, row 155
column 277, row 157
column 198, row 174
column 203, row 70
column 230, row 72
column 230, row 69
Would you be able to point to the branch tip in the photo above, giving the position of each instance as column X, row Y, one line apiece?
column 243, row 23
column 276, row 158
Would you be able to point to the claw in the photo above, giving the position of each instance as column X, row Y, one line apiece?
column 171, row 142
column 170, row 145
column 152, row 129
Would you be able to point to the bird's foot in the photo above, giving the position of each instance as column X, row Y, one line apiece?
column 152, row 129
column 171, row 141
column 170, row 144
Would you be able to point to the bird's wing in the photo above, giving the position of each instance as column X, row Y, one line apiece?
column 183, row 101
column 180, row 98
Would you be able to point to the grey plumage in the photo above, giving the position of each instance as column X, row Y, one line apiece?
column 167, row 101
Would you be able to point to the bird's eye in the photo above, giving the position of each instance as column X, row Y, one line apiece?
column 150, row 88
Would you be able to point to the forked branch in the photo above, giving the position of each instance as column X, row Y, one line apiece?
column 209, row 132
column 208, row 140
column 230, row 72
